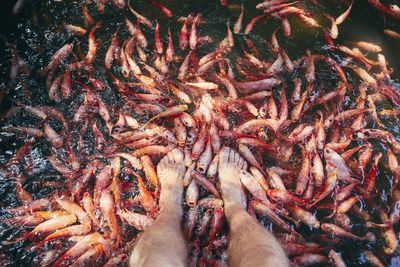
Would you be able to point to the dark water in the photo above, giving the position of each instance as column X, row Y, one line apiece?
column 38, row 33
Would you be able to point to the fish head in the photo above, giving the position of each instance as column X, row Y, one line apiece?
column 395, row 8
column 328, row 152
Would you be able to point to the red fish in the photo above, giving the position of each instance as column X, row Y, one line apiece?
column 183, row 36
column 157, row 40
column 58, row 56
column 161, row 7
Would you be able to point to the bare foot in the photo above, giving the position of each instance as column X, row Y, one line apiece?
column 229, row 168
column 170, row 171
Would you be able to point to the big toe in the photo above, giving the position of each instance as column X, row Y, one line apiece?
column 177, row 155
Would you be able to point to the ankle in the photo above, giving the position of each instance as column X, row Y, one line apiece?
column 171, row 196
column 232, row 208
column 171, row 211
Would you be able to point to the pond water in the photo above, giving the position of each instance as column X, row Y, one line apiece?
column 38, row 32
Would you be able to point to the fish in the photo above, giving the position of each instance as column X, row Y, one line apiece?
column 93, row 44
column 140, row 36
column 213, row 167
column 51, row 225
column 87, row 203
column 170, row 48
column 172, row 111
column 39, row 204
column 279, row 7
column 79, row 248
column 254, row 188
column 25, row 220
column 369, row 47
column 65, row 88
column 143, row 20
column 157, row 40
column 205, row 223
column 75, row 209
column 183, row 36
column 56, row 58
column 193, row 33
column 305, row 217
column 103, row 180
column 260, row 85
column 202, row 180
column 90, row 256
column 204, row 85
column 267, row 4
column 372, row 258
column 366, row 134
column 304, row 175
column 151, row 150
column 265, row 210
column 238, row 24
column 249, row 27
column 310, row 259
column 54, row 138
column 192, row 194
column 339, row 20
column 286, row 28
column 74, row 230
column 199, row 143
column 392, row 33
column 229, row 36
column 205, row 158
column 107, row 207
column 333, row 229
column 254, row 142
column 167, row 12
column 74, row 29
column 284, row 196
column 116, row 260
column 334, row 31
column 216, row 223
column 190, row 221
column 88, row 18
column 137, row 220
column 149, row 170
column 337, row 162
column 20, row 5
column 185, row 66
column 330, row 184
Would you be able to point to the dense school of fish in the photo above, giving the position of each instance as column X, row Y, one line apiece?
column 315, row 146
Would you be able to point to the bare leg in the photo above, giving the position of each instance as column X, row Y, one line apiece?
column 250, row 243
column 163, row 244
